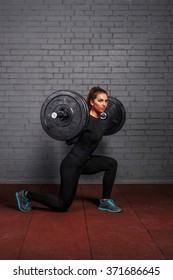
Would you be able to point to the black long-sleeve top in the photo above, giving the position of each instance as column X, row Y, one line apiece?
column 88, row 141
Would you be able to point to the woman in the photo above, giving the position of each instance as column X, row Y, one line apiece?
column 80, row 161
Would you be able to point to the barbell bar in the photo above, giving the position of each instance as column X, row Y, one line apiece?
column 64, row 115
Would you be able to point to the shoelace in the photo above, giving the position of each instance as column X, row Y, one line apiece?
column 111, row 202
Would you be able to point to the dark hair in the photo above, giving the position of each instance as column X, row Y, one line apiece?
column 93, row 94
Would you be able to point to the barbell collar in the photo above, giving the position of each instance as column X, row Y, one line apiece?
column 103, row 115
column 60, row 114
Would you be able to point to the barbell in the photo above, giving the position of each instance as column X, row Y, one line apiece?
column 64, row 115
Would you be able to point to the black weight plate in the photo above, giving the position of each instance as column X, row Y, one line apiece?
column 116, row 116
column 64, row 129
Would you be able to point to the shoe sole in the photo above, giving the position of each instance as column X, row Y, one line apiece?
column 112, row 211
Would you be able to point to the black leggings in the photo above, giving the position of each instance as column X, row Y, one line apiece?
column 70, row 171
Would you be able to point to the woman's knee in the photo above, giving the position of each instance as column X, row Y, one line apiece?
column 113, row 164
column 62, row 207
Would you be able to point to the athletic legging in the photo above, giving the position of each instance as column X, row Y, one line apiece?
column 70, row 171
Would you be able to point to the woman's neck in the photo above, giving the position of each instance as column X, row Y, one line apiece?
column 94, row 114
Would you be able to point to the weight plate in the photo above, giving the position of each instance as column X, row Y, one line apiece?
column 75, row 119
column 115, row 118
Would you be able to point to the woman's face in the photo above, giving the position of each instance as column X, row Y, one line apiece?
column 100, row 103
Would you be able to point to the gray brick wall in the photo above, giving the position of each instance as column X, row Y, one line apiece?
column 125, row 46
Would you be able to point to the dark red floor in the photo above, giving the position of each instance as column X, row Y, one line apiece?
column 144, row 230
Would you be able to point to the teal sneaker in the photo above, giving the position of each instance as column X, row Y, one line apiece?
column 24, row 203
column 109, row 205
